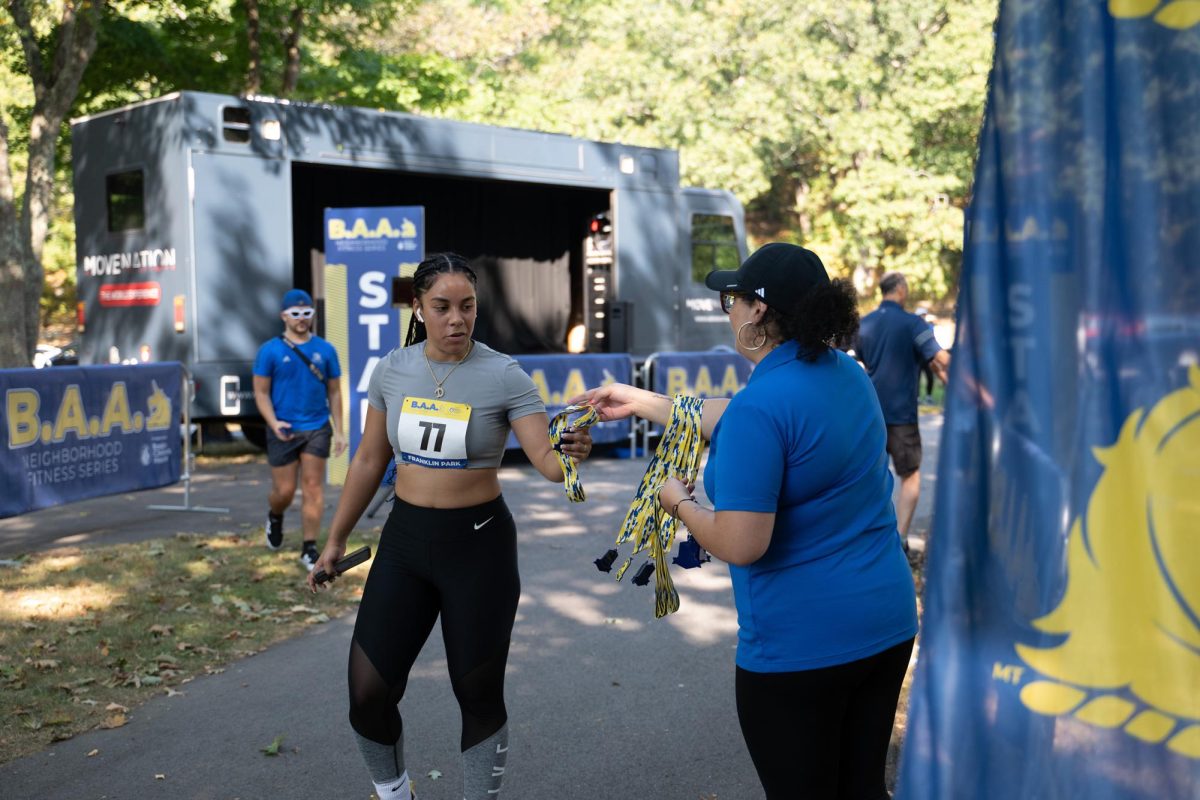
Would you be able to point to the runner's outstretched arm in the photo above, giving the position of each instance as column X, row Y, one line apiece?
column 620, row 400
column 531, row 434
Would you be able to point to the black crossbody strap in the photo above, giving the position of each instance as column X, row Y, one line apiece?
column 313, row 368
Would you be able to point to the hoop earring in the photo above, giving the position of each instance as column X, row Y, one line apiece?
column 761, row 333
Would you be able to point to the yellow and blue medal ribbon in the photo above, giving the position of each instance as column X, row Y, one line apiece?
column 677, row 456
column 561, row 421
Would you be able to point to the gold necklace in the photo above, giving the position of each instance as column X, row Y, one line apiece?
column 438, row 391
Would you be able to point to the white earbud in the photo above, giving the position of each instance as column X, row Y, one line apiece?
column 420, row 319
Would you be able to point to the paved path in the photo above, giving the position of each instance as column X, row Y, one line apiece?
column 240, row 487
column 604, row 700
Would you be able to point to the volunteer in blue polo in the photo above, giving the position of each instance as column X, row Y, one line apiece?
column 894, row 345
column 297, row 391
column 802, row 512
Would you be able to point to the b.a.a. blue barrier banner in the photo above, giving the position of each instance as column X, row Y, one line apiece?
column 561, row 377
column 71, row 433
column 1060, row 653
column 708, row 373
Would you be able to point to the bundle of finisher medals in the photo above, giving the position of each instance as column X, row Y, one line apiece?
column 646, row 523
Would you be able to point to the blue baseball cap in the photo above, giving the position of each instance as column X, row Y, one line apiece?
column 296, row 297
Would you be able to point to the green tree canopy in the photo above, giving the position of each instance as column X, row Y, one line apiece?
column 849, row 126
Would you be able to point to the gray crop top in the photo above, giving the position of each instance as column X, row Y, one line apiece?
column 491, row 383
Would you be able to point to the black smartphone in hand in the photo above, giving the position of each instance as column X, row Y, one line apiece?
column 344, row 563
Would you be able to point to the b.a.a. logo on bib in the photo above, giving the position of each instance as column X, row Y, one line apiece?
column 433, row 433
column 1130, row 614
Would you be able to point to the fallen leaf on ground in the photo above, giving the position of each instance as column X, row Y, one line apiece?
column 116, row 707
column 158, row 776
column 273, row 748
column 434, row 774
column 114, row 721
column 93, row 753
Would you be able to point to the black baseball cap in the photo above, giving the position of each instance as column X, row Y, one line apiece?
column 778, row 273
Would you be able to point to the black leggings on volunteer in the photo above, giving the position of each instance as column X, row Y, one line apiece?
column 460, row 563
column 823, row 734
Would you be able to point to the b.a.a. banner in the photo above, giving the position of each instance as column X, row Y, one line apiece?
column 1060, row 653
column 71, row 433
column 365, row 249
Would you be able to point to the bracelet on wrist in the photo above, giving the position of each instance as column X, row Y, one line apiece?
column 675, row 510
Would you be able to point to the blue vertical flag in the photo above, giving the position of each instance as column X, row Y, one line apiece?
column 365, row 248
column 1060, row 656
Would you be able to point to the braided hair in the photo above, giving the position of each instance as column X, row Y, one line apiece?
column 427, row 272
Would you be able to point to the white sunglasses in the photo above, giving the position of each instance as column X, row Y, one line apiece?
column 300, row 313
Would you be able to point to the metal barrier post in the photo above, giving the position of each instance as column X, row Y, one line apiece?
column 187, row 394
column 646, row 371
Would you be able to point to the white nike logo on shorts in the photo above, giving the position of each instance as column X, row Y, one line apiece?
column 479, row 525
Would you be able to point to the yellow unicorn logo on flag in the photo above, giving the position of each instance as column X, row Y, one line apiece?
column 1177, row 14
column 1131, row 611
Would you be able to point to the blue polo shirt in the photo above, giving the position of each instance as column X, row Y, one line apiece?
column 299, row 398
column 805, row 441
column 893, row 344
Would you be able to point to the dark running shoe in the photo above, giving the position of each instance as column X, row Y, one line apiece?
column 309, row 555
column 274, row 529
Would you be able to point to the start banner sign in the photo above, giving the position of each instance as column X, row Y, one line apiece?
column 71, row 433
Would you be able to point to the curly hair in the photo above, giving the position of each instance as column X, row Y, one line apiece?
column 428, row 272
column 825, row 317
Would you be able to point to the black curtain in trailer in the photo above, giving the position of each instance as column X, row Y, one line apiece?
column 525, row 240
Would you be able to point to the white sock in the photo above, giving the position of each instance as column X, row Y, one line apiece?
column 397, row 788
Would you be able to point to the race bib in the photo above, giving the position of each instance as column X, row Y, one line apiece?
column 433, row 433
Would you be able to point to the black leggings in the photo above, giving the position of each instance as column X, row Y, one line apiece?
column 823, row 733
column 461, row 563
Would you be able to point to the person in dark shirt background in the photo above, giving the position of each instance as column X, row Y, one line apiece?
column 894, row 345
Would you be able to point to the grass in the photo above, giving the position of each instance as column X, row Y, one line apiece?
column 938, row 398
column 88, row 635
column 900, row 726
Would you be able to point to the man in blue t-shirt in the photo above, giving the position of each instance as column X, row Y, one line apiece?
column 295, row 387
column 893, row 345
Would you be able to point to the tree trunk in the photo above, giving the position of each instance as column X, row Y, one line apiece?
column 55, row 87
column 291, row 73
column 12, row 269
column 254, row 44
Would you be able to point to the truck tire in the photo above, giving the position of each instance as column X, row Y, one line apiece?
column 255, row 432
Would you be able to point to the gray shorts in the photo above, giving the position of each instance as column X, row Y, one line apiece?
column 316, row 442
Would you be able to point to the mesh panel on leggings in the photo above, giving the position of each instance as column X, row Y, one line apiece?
column 480, row 694
column 373, row 711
